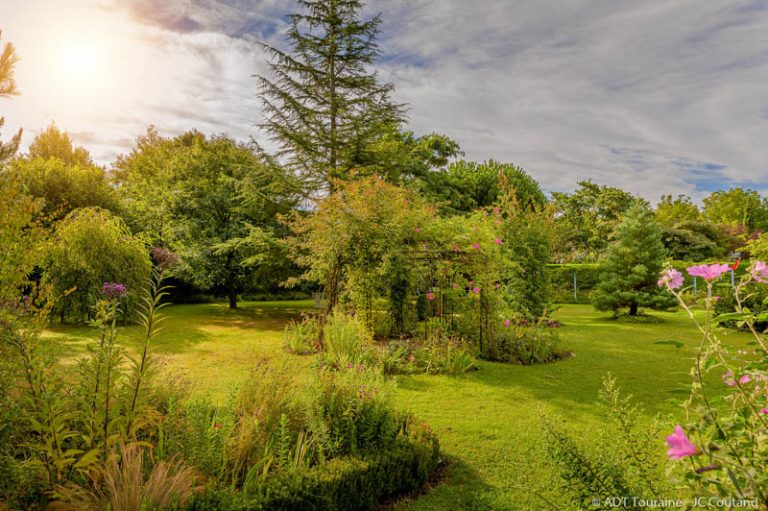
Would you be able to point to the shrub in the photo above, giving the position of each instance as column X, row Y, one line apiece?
column 301, row 336
column 347, row 483
column 92, row 247
column 625, row 462
column 523, row 344
column 443, row 353
column 347, row 341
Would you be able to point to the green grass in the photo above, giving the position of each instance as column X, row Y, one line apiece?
column 487, row 421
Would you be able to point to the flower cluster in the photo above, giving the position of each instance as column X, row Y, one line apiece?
column 365, row 392
column 163, row 257
column 113, row 290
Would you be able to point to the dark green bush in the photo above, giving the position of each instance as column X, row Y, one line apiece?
column 527, row 345
column 348, row 483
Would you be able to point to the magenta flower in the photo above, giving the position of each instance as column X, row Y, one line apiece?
column 476, row 290
column 745, row 379
column 764, row 411
column 430, row 296
column 759, row 272
column 113, row 290
column 708, row 272
column 498, row 241
column 475, row 246
column 507, row 322
column 679, row 445
column 671, row 278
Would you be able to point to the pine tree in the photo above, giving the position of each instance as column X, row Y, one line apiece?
column 632, row 266
column 8, row 60
column 324, row 107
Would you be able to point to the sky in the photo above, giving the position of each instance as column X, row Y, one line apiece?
column 654, row 96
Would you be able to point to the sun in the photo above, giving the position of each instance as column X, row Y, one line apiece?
column 80, row 61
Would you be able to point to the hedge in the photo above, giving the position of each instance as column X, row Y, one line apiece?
column 343, row 484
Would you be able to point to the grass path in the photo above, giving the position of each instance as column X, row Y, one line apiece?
column 487, row 421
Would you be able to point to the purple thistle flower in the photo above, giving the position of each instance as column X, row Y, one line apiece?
column 113, row 290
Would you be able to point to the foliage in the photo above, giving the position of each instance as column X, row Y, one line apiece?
column 301, row 337
column 361, row 235
column 632, row 265
column 464, row 186
column 737, row 207
column 324, row 106
column 671, row 210
column 211, row 200
column 624, row 469
column 587, row 218
column 8, row 60
column 524, row 344
column 92, row 247
column 693, row 241
column 63, row 176
column 440, row 353
column 758, row 247
column 347, row 341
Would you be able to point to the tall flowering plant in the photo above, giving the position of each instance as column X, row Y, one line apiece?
column 723, row 450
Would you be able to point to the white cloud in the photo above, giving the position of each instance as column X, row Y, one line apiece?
column 653, row 96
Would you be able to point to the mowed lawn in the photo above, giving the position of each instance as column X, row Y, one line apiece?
column 488, row 421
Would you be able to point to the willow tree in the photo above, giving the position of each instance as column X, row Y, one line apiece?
column 324, row 106
column 8, row 61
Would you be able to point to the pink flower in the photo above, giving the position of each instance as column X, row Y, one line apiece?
column 764, row 411
column 456, row 249
column 759, row 272
column 498, row 241
column 496, row 210
column 418, row 229
column 475, row 246
column 679, row 445
column 454, row 285
column 729, row 380
column 671, row 278
column 708, row 272
column 497, row 285
column 476, row 290
column 430, row 296
column 507, row 322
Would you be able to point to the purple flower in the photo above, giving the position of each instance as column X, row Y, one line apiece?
column 708, row 272
column 113, row 290
column 671, row 278
column 679, row 445
column 759, row 272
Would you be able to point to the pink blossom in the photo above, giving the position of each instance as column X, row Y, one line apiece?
column 679, row 445
column 476, row 290
column 456, row 249
column 496, row 210
column 430, row 296
column 759, row 272
column 729, row 379
column 507, row 322
column 671, row 278
column 475, row 246
column 498, row 241
column 418, row 229
column 764, row 411
column 497, row 285
column 708, row 272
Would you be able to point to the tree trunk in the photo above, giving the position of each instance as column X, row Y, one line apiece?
column 232, row 295
column 633, row 309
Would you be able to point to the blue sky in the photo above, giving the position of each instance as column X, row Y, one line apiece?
column 653, row 96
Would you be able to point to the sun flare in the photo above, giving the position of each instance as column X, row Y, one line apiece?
column 80, row 61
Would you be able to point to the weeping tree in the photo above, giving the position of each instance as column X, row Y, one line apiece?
column 632, row 266
column 8, row 61
column 324, row 106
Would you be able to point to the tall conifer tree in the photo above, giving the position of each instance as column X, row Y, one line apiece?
column 8, row 61
column 324, row 105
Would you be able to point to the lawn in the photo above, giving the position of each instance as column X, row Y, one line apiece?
column 488, row 420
